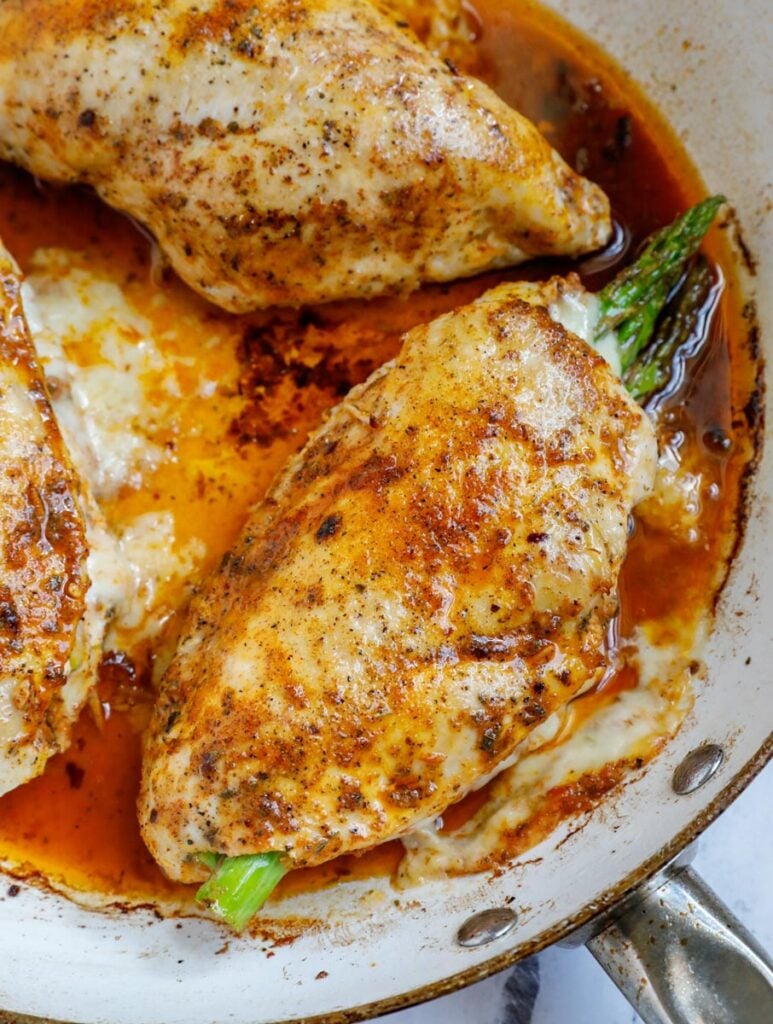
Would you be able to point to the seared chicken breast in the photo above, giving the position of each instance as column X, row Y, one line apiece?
column 46, row 663
column 285, row 152
column 426, row 581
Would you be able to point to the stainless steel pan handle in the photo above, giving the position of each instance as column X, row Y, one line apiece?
column 681, row 957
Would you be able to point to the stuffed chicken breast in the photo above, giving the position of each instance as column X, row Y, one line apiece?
column 46, row 635
column 428, row 579
column 285, row 152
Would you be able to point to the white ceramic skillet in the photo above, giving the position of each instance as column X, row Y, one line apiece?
column 60, row 961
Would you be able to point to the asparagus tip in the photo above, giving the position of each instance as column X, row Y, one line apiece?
column 632, row 302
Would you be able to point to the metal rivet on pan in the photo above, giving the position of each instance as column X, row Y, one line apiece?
column 697, row 768
column 485, row 926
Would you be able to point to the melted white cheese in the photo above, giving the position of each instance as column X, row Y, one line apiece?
column 102, row 407
column 148, row 547
column 633, row 724
column 676, row 502
column 127, row 567
column 578, row 311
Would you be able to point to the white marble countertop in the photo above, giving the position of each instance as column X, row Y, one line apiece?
column 566, row 986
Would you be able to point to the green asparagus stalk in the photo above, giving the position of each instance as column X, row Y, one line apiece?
column 652, row 370
column 239, row 886
column 631, row 303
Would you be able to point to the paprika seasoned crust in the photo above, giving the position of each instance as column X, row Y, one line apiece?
column 45, row 666
column 287, row 151
column 427, row 579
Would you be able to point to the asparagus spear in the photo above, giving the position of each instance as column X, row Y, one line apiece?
column 652, row 370
column 239, row 886
column 631, row 303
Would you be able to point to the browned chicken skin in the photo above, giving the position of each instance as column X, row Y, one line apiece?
column 428, row 579
column 286, row 151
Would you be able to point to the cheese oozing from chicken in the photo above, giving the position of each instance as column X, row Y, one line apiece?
column 427, row 580
column 282, row 153
column 619, row 730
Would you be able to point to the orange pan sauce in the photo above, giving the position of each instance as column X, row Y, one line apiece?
column 76, row 824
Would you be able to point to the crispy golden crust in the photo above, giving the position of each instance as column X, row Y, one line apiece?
column 44, row 580
column 285, row 152
column 430, row 577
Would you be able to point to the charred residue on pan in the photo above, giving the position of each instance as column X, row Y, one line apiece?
column 296, row 351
